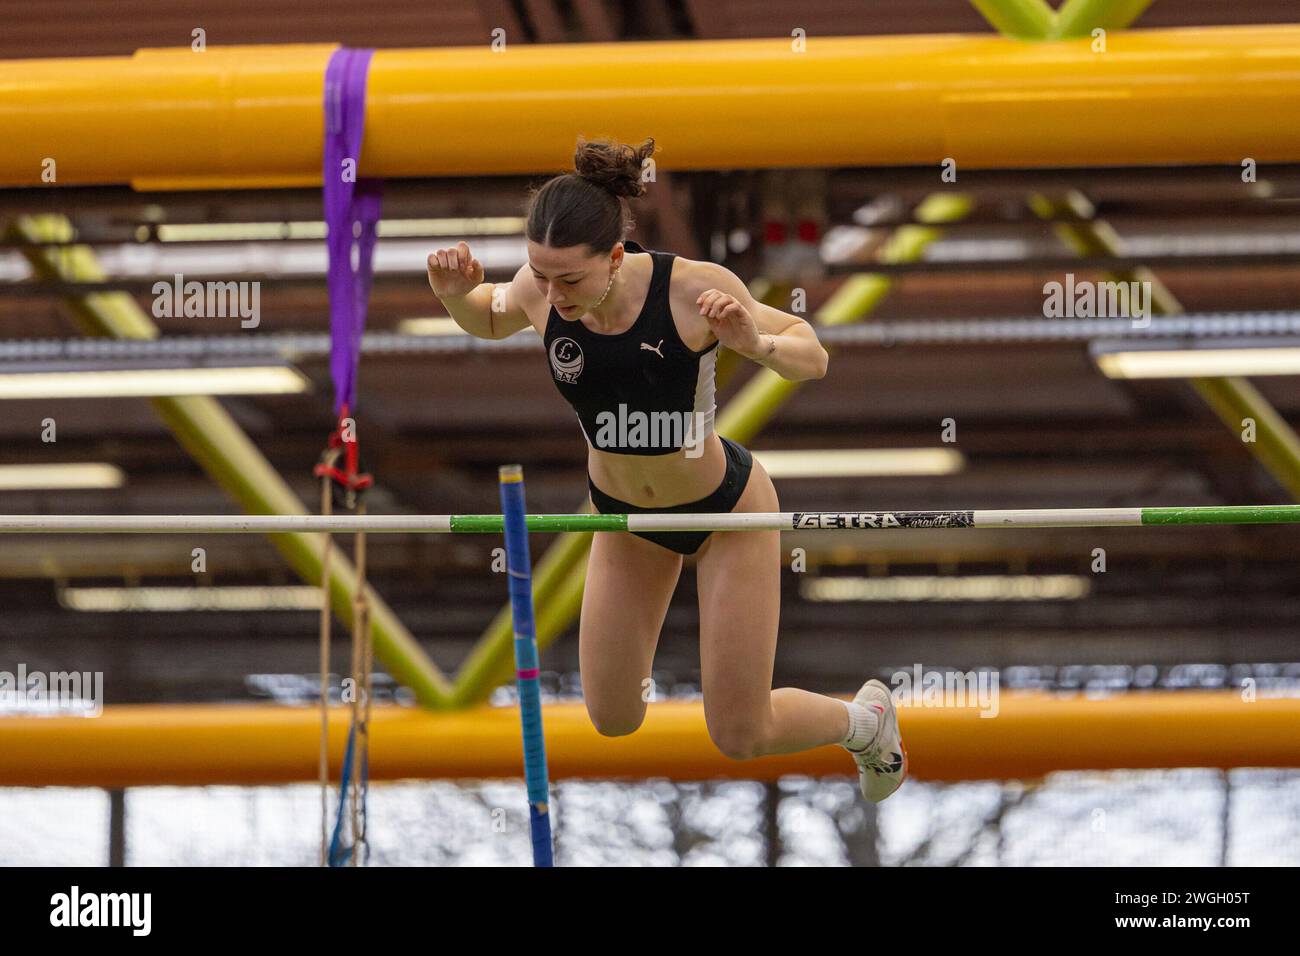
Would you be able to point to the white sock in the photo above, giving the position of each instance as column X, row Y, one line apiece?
column 862, row 726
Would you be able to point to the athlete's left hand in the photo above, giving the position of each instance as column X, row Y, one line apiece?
column 730, row 322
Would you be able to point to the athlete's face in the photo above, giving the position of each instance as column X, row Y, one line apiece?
column 572, row 278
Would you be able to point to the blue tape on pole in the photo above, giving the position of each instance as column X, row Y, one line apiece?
column 519, row 576
column 540, row 824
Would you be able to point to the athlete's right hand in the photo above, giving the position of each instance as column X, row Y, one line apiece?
column 454, row 272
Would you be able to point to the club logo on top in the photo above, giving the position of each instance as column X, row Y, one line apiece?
column 566, row 360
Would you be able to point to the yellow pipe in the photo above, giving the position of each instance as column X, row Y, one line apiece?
column 1031, row 735
column 251, row 116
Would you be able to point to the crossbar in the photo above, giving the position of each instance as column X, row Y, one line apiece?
column 662, row 521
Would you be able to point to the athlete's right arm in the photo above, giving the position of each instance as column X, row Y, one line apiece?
column 486, row 311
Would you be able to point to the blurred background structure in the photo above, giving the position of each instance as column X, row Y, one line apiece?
column 930, row 295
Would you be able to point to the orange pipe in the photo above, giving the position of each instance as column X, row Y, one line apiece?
column 1032, row 734
column 251, row 116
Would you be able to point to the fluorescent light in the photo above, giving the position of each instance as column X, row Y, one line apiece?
column 860, row 462
column 437, row 326
column 306, row 257
column 315, row 229
column 239, row 231
column 60, row 477
column 983, row 587
column 452, row 226
column 257, row 598
column 430, row 326
column 1199, row 363
column 124, row 383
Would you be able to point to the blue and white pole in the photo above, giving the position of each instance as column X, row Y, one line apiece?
column 520, row 575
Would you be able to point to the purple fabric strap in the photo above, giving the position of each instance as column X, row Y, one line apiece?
column 351, row 215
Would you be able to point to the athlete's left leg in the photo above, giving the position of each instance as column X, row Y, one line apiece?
column 738, row 574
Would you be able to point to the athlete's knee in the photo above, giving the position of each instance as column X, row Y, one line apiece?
column 739, row 741
column 612, row 722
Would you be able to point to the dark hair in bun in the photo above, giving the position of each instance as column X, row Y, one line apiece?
column 589, row 205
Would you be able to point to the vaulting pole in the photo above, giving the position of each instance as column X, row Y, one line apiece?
column 520, row 579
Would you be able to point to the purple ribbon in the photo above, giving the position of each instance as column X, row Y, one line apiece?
column 351, row 215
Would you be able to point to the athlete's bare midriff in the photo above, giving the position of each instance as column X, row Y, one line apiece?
column 653, row 481
column 659, row 481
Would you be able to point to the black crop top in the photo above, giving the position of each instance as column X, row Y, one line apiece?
column 641, row 391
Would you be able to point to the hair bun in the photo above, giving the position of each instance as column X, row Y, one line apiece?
column 613, row 165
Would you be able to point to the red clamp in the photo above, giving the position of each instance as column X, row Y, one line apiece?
column 349, row 480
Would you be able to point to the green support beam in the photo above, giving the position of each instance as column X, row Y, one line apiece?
column 1078, row 18
column 1233, row 399
column 1276, row 446
column 1021, row 19
column 1036, row 20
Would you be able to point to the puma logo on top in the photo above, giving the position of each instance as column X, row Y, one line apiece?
column 653, row 348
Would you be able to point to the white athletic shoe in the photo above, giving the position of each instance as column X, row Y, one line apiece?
column 882, row 765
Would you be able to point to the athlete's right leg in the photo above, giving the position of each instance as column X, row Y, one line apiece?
column 630, row 582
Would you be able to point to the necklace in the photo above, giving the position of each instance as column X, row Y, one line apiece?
column 608, row 286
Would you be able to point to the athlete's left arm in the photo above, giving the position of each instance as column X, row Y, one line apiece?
column 778, row 340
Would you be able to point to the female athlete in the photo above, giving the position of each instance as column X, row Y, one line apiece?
column 631, row 336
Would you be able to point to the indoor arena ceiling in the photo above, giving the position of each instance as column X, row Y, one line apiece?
column 1038, row 424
